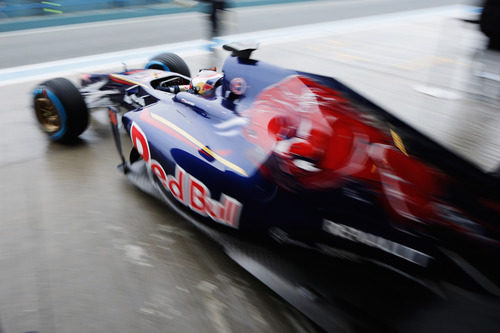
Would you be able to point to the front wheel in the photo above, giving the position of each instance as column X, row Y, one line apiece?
column 60, row 110
column 170, row 62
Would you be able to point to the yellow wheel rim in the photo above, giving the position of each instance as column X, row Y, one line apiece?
column 47, row 114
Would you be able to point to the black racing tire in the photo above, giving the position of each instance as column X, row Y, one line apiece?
column 169, row 62
column 60, row 110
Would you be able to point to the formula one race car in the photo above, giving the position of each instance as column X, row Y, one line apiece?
column 275, row 163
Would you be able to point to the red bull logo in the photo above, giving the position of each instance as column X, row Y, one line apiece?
column 188, row 190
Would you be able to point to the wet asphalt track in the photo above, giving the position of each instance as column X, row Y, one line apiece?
column 82, row 250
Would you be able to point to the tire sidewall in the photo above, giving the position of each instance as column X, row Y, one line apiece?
column 169, row 62
column 43, row 90
column 70, row 106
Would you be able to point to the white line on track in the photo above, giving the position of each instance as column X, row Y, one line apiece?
column 135, row 56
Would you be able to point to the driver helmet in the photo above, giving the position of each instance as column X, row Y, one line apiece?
column 205, row 82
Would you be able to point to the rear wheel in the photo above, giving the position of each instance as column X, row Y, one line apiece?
column 60, row 110
column 170, row 62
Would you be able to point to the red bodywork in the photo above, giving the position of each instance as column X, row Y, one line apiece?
column 321, row 140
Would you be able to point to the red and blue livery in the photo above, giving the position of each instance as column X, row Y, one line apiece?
column 294, row 162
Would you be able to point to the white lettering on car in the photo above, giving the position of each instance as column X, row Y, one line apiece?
column 383, row 244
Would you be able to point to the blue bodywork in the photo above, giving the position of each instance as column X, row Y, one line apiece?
column 264, row 203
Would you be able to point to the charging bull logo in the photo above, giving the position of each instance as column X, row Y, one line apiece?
column 188, row 190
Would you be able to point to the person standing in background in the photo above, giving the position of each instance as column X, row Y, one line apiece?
column 216, row 10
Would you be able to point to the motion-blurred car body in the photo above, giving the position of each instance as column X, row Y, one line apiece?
column 279, row 157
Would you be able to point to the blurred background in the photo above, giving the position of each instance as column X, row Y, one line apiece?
column 123, row 8
column 81, row 250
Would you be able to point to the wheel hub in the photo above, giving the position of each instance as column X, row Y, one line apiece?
column 47, row 114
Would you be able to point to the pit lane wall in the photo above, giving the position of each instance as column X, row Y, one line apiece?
column 30, row 8
column 32, row 14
